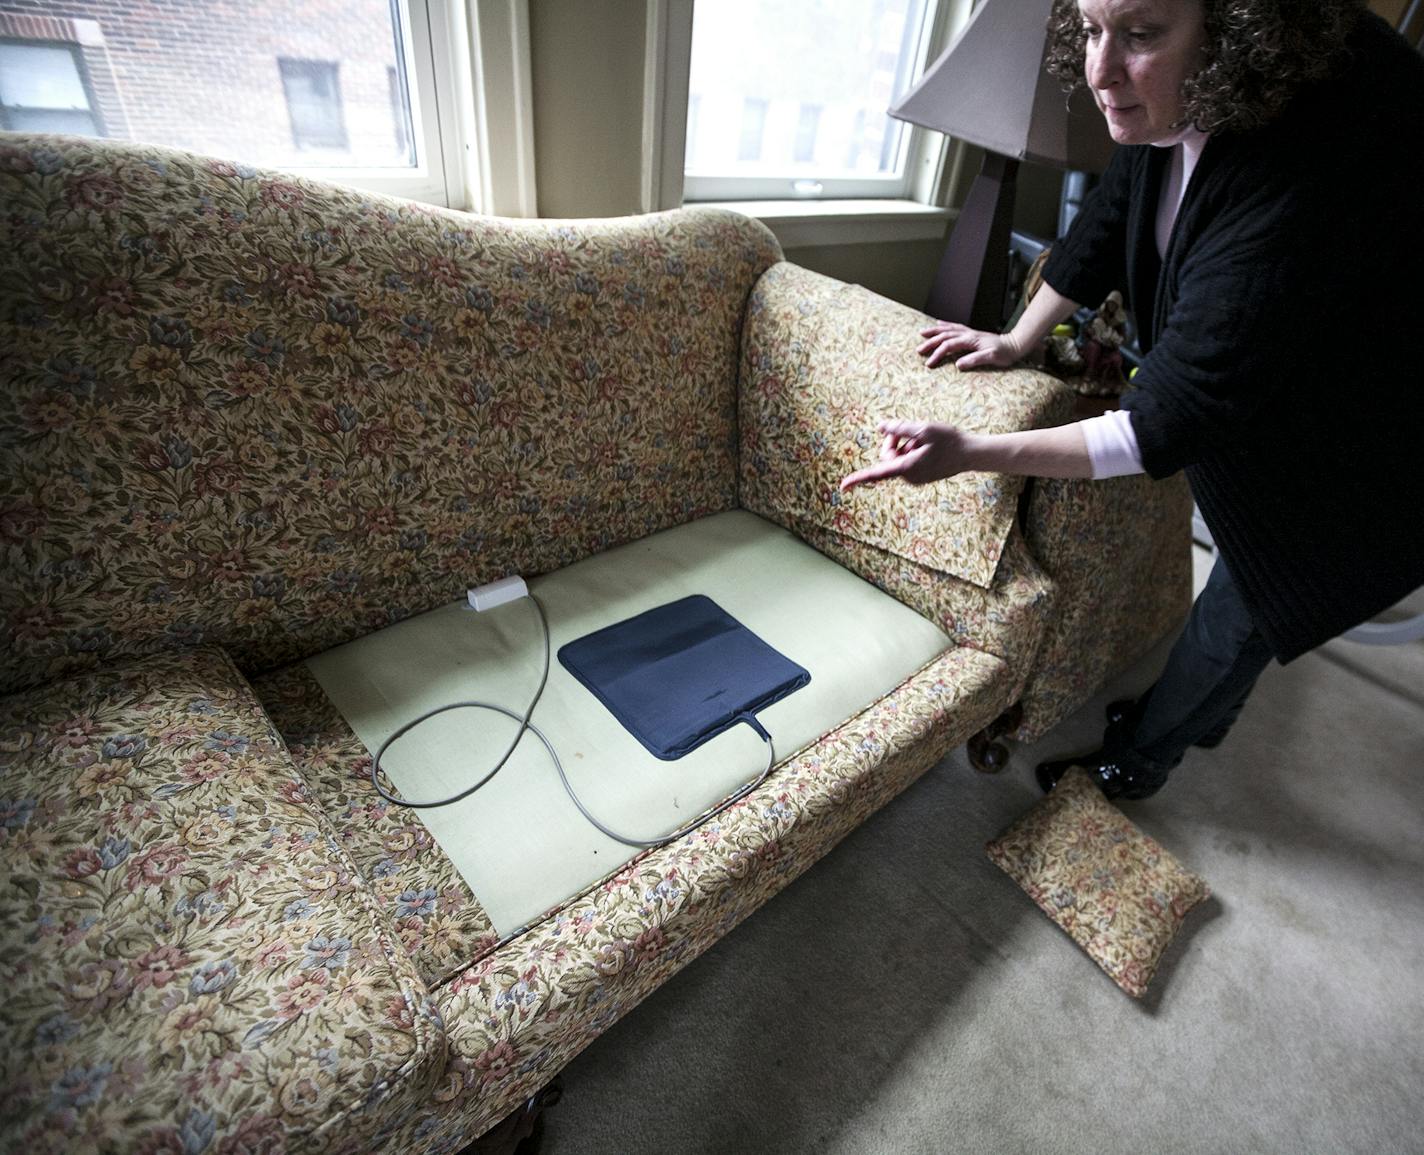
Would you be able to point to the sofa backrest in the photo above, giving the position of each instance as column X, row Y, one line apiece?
column 245, row 409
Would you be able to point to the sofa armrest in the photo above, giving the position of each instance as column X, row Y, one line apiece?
column 1103, row 569
column 822, row 363
column 1119, row 555
column 188, row 957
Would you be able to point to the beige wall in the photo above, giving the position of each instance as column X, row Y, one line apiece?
column 586, row 64
column 1391, row 10
column 902, row 271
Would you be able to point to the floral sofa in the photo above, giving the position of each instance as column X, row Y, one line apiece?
column 246, row 418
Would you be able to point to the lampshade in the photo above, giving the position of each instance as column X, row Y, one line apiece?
column 989, row 88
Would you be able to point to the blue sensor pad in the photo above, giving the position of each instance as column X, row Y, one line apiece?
column 681, row 673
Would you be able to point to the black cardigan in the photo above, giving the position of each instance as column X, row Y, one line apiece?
column 1284, row 339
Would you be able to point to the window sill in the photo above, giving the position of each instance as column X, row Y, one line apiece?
column 802, row 224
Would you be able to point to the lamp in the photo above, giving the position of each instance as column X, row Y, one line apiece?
column 989, row 88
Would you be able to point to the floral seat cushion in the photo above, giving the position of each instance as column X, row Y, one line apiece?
column 189, row 959
column 439, row 921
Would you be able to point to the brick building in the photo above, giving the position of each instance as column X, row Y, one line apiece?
column 285, row 83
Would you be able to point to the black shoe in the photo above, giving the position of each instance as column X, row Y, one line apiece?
column 1213, row 740
column 1109, row 774
column 1117, row 714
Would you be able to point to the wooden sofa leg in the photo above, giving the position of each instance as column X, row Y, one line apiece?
column 522, row 1130
column 986, row 753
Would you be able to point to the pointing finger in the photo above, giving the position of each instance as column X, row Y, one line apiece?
column 894, row 467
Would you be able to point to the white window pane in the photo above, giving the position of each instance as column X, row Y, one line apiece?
column 820, row 74
column 40, row 76
column 73, row 121
column 806, row 128
column 753, row 129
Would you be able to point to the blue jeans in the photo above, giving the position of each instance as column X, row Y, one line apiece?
column 1208, row 677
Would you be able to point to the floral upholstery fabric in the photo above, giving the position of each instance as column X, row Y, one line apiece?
column 521, row 1013
column 823, row 362
column 440, row 922
column 1119, row 555
column 1114, row 890
column 254, row 411
column 190, row 961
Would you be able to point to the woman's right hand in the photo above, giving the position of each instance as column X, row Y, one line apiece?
column 917, row 451
column 970, row 348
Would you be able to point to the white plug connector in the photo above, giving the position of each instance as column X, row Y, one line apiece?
column 507, row 589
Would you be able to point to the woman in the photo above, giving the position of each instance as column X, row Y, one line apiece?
column 1264, row 215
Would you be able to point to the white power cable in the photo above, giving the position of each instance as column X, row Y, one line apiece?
column 525, row 725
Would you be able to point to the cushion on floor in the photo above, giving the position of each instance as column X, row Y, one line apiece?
column 188, row 959
column 520, row 843
column 1117, row 893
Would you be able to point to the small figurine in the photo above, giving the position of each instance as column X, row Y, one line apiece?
column 1100, row 349
column 1091, row 358
column 1060, row 352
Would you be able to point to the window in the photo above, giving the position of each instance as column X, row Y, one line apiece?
column 798, row 104
column 806, row 125
column 43, row 88
column 313, row 92
column 400, row 110
column 753, row 129
column 266, row 83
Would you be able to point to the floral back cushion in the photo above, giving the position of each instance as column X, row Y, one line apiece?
column 245, row 409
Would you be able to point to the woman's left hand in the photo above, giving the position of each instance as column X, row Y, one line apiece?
column 967, row 348
column 917, row 452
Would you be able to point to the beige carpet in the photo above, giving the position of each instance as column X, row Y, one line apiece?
column 904, row 996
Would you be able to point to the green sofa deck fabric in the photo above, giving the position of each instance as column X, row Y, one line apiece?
column 274, row 415
column 438, row 921
column 1007, row 620
column 182, row 933
column 519, row 842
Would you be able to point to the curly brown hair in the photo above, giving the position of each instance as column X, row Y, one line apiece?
column 1258, row 55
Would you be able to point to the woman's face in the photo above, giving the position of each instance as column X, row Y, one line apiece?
column 1138, row 54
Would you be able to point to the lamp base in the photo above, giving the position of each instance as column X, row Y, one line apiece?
column 972, row 279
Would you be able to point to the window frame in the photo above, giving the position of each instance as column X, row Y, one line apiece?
column 937, row 167
column 429, row 47
column 918, row 145
column 468, row 64
column 81, row 69
column 305, row 135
